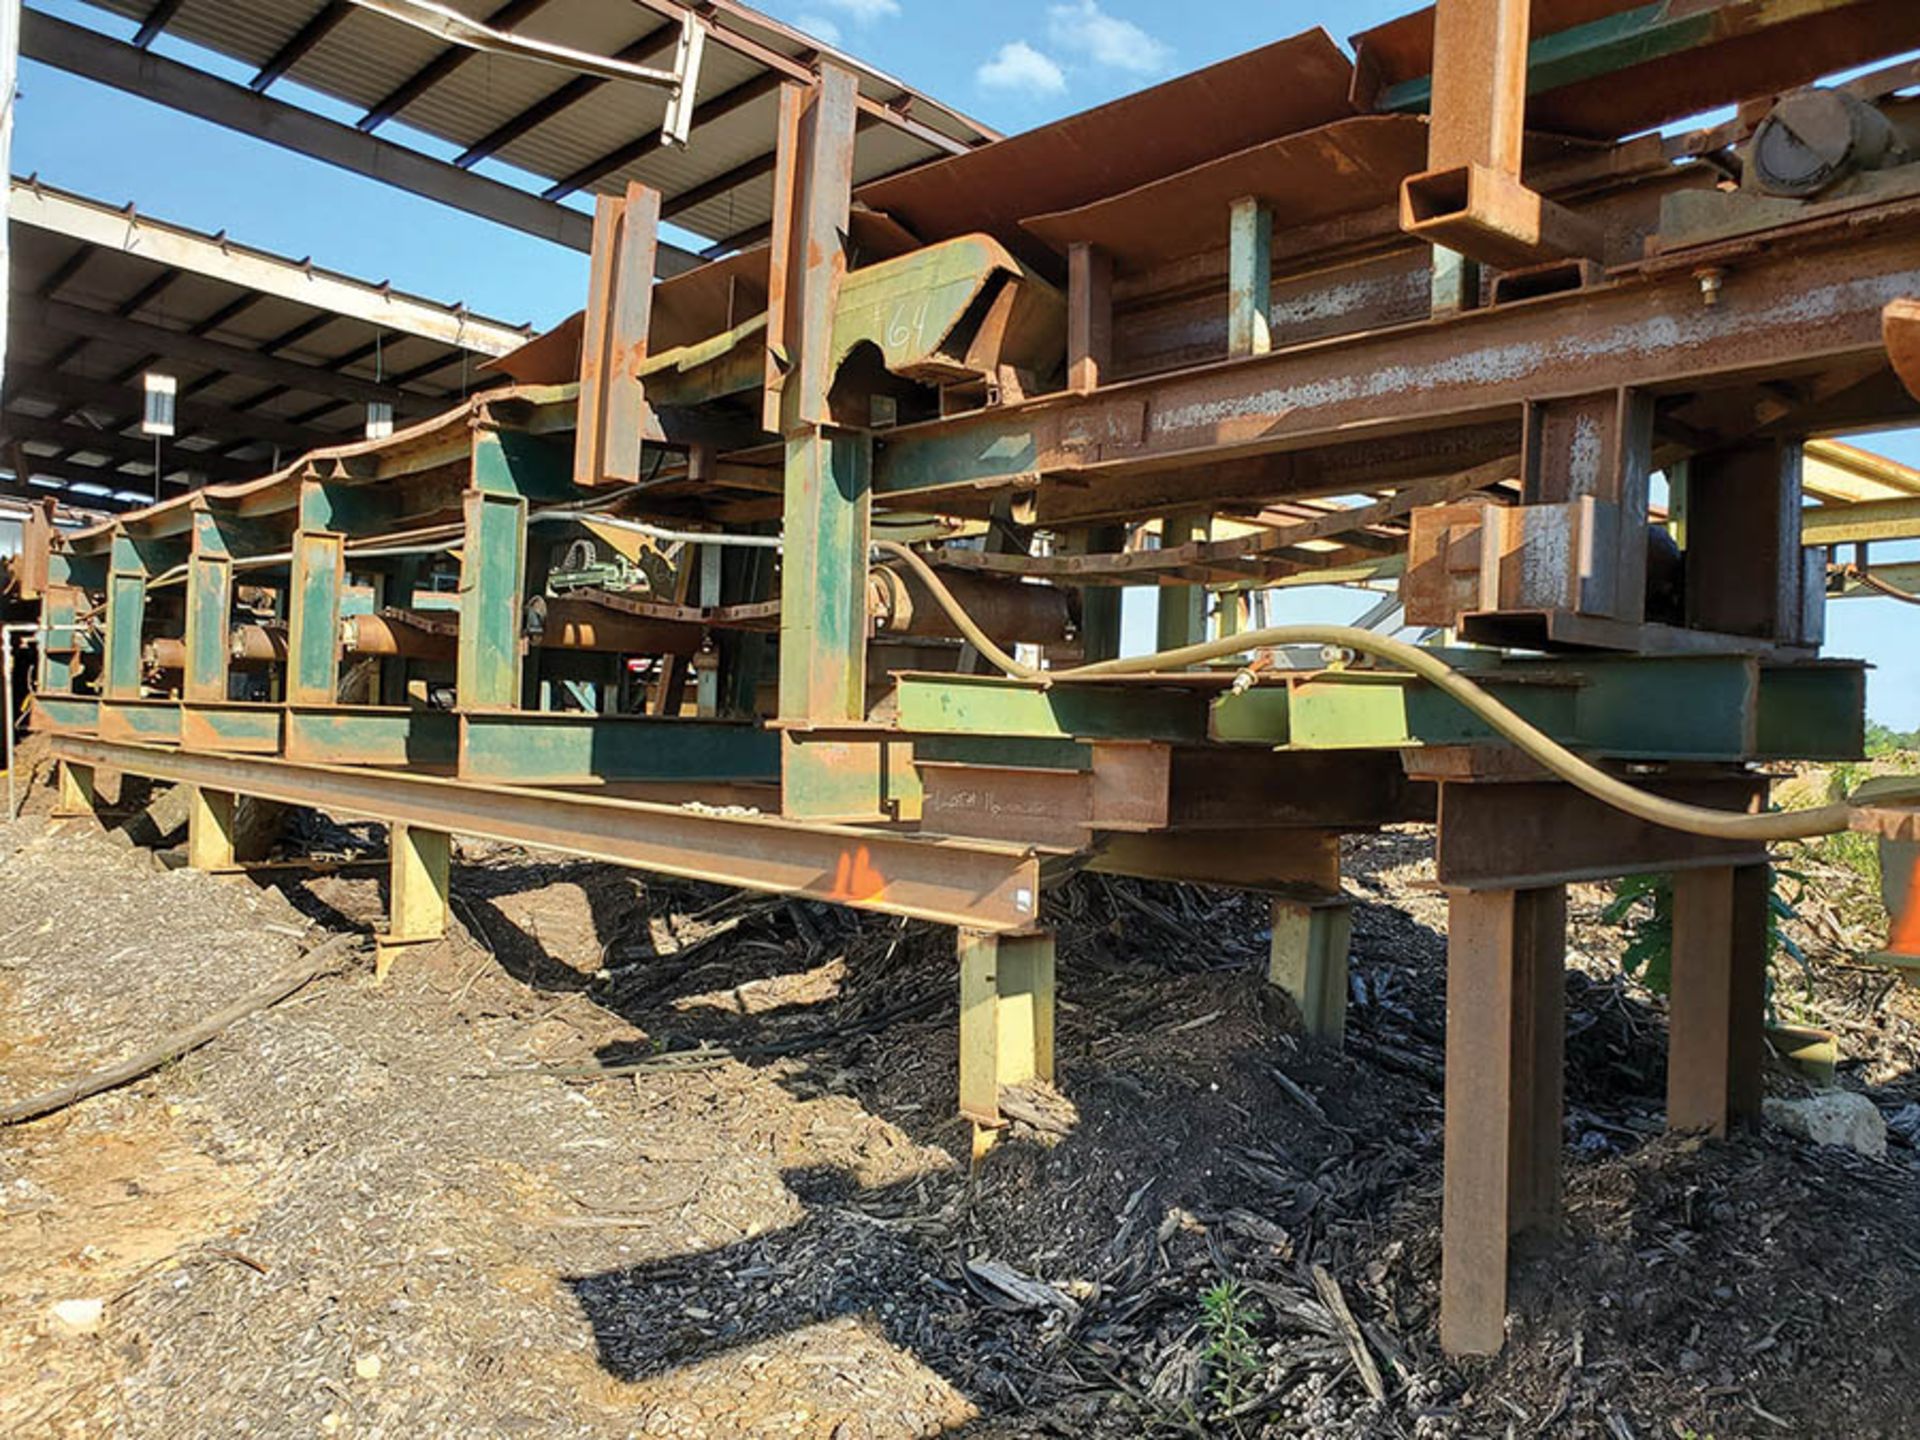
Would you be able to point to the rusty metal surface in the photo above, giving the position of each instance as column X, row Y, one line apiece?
column 979, row 884
column 1507, row 836
column 1314, row 175
column 1291, row 85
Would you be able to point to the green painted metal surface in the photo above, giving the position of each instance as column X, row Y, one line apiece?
column 232, row 726
column 1812, row 712
column 371, row 735
column 987, row 705
column 492, row 578
column 148, row 720
column 209, row 612
column 1616, row 42
column 532, row 748
column 507, row 462
column 823, row 623
column 76, row 714
column 1020, row 751
column 313, row 617
column 1720, row 708
column 126, row 618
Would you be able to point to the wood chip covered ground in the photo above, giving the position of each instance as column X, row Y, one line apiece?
column 629, row 1157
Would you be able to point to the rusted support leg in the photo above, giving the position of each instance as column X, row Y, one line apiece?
column 1307, row 958
column 1089, row 317
column 209, row 828
column 417, row 899
column 1006, row 1017
column 74, row 795
column 1505, row 1041
column 1717, row 1007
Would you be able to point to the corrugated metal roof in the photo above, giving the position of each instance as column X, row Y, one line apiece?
column 362, row 57
column 101, row 296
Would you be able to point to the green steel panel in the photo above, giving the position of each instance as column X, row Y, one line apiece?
column 1679, row 707
column 823, row 626
column 77, row 714
column 1812, row 712
column 313, row 628
column 371, row 735
column 1022, row 752
column 236, row 725
column 209, row 611
column 506, row 462
column 986, row 705
column 531, row 747
column 492, row 575
column 148, row 720
column 126, row 619
column 1634, row 707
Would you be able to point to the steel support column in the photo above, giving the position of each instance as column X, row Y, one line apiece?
column 1307, row 958
column 417, row 893
column 1006, row 1017
column 1505, row 1041
column 209, row 828
column 1717, row 1006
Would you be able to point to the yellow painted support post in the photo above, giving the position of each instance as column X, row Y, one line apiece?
column 1307, row 958
column 417, row 902
column 75, row 795
column 209, row 828
column 1006, row 1017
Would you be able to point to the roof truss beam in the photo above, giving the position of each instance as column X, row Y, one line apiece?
column 642, row 52
column 179, row 249
column 119, row 399
column 138, row 335
column 721, row 105
column 94, row 56
column 442, row 66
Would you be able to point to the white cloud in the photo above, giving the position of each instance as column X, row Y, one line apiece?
column 1018, row 66
column 1083, row 27
column 863, row 11
column 820, row 28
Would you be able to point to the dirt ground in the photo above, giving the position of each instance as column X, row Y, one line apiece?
column 637, row 1158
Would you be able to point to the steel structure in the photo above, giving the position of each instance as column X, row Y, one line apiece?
column 1444, row 309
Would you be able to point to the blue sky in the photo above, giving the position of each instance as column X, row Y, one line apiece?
column 1010, row 65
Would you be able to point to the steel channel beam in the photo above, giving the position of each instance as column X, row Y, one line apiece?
column 1789, row 311
column 1522, row 835
column 978, row 885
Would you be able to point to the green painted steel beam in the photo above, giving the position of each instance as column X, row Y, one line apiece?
column 531, row 748
column 1619, row 42
column 371, row 735
column 1720, row 708
column 989, row 705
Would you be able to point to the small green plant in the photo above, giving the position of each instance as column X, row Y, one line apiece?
column 1643, row 904
column 1233, row 1358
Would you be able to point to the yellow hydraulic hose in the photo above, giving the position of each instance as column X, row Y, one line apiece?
column 1550, row 753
